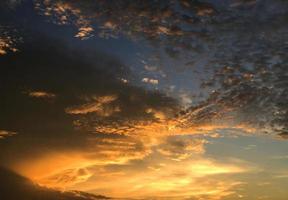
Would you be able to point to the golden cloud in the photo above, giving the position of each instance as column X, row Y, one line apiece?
column 41, row 94
column 100, row 105
column 7, row 44
column 169, row 167
column 4, row 133
column 63, row 14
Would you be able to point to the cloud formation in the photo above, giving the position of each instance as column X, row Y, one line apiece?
column 102, row 106
column 102, row 127
column 41, row 94
column 7, row 41
column 17, row 187
column 4, row 133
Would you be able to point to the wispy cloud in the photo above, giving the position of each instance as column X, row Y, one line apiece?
column 41, row 94
column 100, row 105
column 5, row 133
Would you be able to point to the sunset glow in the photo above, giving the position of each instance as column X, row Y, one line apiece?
column 143, row 100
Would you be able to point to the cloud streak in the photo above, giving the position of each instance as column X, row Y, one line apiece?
column 4, row 134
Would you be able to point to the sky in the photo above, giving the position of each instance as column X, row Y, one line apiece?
column 155, row 99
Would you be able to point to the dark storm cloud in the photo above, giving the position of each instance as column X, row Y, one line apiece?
column 14, row 186
column 47, row 78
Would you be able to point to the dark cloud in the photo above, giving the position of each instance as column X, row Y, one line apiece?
column 14, row 186
column 250, row 69
column 252, row 95
column 69, row 79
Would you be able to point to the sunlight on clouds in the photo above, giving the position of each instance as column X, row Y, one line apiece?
column 150, row 80
column 4, row 133
column 66, row 178
column 6, row 44
column 171, row 163
column 189, row 178
column 149, row 120
column 172, row 166
column 41, row 94
column 158, row 128
column 127, row 136
column 100, row 106
column 178, row 149
column 63, row 14
column 60, row 169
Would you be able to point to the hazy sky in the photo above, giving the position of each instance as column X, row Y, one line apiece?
column 152, row 99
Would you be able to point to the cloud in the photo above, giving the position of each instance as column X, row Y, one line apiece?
column 189, row 179
column 14, row 186
column 100, row 128
column 66, row 125
column 64, row 179
column 41, row 94
column 232, row 75
column 150, row 68
column 67, row 168
column 146, row 166
column 231, row 54
column 4, row 133
column 283, row 135
column 146, row 22
column 101, row 106
column 64, row 13
column 7, row 41
column 181, row 148
column 151, row 81
column 170, row 179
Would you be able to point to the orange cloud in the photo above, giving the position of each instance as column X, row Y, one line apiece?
column 6, row 44
column 41, row 94
column 4, row 133
column 169, row 167
column 100, row 105
column 64, row 13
